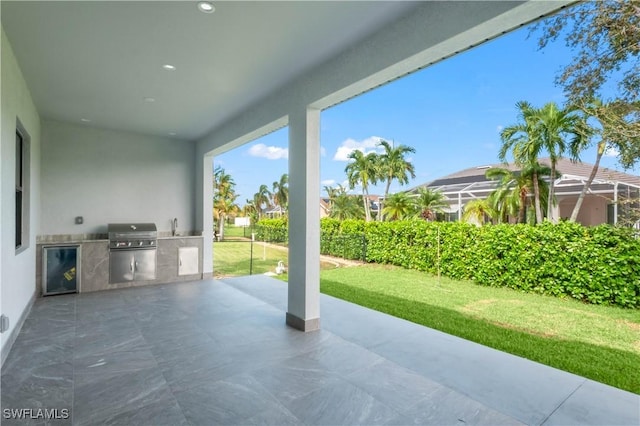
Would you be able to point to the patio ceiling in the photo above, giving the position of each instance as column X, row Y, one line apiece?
column 100, row 60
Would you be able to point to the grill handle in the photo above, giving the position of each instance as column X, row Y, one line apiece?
column 137, row 266
column 131, row 265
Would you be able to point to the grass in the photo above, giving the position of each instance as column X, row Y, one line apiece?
column 598, row 342
column 231, row 231
column 232, row 258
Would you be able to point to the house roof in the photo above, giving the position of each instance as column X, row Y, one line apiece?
column 568, row 168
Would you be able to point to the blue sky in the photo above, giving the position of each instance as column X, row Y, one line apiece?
column 451, row 113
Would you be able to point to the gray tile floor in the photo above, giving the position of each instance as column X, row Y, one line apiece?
column 218, row 352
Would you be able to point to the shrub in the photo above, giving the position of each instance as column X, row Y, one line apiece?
column 272, row 230
column 599, row 265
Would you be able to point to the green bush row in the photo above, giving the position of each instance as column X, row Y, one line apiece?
column 272, row 230
column 599, row 265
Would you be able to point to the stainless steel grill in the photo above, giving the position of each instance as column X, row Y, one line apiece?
column 132, row 236
column 132, row 252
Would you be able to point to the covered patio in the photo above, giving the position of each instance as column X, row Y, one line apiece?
column 112, row 112
column 217, row 352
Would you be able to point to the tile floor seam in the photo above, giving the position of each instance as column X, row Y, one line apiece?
column 459, row 391
column 169, row 387
column 275, row 398
column 563, row 402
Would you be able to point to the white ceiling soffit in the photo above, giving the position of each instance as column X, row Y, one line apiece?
column 102, row 61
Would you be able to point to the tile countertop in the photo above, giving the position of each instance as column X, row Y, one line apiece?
column 82, row 238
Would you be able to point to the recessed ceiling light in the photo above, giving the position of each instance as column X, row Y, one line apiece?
column 169, row 67
column 206, row 7
column 85, row 120
column 172, row 133
column 149, row 100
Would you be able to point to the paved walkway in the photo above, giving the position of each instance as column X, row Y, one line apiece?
column 218, row 352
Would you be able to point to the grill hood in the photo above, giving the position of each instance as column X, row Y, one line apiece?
column 121, row 231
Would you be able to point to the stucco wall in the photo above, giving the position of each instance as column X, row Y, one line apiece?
column 592, row 212
column 17, row 270
column 110, row 176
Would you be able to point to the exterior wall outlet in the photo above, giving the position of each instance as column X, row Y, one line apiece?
column 4, row 323
column 79, row 220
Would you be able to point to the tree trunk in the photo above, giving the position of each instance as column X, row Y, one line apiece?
column 365, row 200
column 551, row 195
column 536, row 198
column 522, row 207
column 585, row 188
column 386, row 194
column 220, row 227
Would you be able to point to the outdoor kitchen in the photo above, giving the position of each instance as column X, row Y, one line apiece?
column 128, row 255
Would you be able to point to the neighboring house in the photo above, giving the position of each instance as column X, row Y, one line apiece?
column 325, row 207
column 606, row 201
column 274, row 212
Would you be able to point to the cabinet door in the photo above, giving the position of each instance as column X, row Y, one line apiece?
column 121, row 266
column 61, row 269
column 187, row 260
column 145, row 265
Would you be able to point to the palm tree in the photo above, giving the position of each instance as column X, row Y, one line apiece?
column 393, row 165
column 281, row 192
column 549, row 129
column 250, row 210
column 524, row 142
column 560, row 130
column 222, row 181
column 223, row 208
column 224, row 197
column 475, row 211
column 430, row 202
column 334, row 192
column 510, row 196
column 262, row 198
column 363, row 170
column 609, row 117
column 514, row 188
column 345, row 206
column 399, row 206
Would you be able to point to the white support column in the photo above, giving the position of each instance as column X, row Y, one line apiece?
column 303, row 310
column 459, row 206
column 615, row 203
column 207, row 216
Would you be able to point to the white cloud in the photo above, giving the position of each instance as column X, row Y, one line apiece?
column 328, row 182
column 323, row 151
column 611, row 152
column 268, row 152
column 499, row 128
column 348, row 146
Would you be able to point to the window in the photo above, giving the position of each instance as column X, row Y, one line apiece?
column 22, row 191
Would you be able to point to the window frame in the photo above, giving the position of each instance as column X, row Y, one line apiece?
column 22, row 167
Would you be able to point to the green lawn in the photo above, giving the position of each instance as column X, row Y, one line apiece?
column 231, row 231
column 598, row 342
column 232, row 258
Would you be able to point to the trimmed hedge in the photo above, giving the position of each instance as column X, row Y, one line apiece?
column 272, row 230
column 599, row 265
